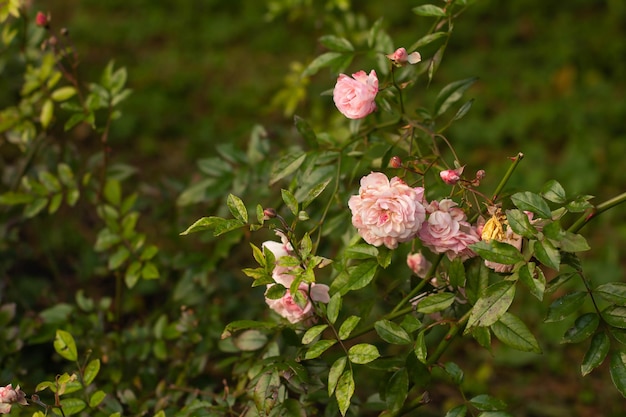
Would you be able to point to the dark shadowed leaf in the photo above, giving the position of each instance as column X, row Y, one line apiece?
column 458, row 411
column 615, row 316
column 286, row 165
column 451, row 93
column 583, row 328
column 484, row 402
column 618, row 370
column 596, row 353
column 613, row 292
column 564, row 306
column 547, row 254
column 553, row 191
column 429, row 10
column 435, row 302
column 396, row 391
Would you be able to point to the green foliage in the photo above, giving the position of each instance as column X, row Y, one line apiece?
column 155, row 321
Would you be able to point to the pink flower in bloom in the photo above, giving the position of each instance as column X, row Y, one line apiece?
column 451, row 176
column 354, row 97
column 10, row 396
column 447, row 230
column 418, row 264
column 41, row 19
column 400, row 57
column 387, row 212
column 286, row 306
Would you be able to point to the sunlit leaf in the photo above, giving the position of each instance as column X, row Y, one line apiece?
column 613, row 292
column 553, row 191
column 429, row 10
column 392, row 333
column 362, row 353
column 435, row 302
column 499, row 252
column 237, row 208
column 615, row 316
column 547, row 254
column 336, row 370
column 65, row 345
column 318, row 348
column 344, row 391
column 348, row 326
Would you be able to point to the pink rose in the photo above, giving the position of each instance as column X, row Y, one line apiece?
column 387, row 212
column 286, row 306
column 10, row 396
column 41, row 19
column 447, row 230
column 400, row 57
column 354, row 97
column 418, row 264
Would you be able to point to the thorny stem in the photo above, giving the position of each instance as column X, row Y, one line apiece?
column 595, row 212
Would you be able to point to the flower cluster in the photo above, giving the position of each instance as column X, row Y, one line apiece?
column 10, row 396
column 390, row 212
column 286, row 306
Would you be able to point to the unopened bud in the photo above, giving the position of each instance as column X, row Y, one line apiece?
column 269, row 213
column 395, row 162
column 480, row 174
column 449, row 176
column 42, row 20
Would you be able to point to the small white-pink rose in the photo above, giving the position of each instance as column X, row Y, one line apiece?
column 400, row 57
column 355, row 96
column 418, row 264
column 10, row 396
column 451, row 176
column 286, row 306
column 447, row 230
column 387, row 212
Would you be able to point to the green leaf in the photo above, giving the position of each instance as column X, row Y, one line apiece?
column 65, row 345
column 435, row 302
column 392, row 333
column 348, row 325
column 618, row 371
column 333, row 307
column 430, row 38
column 499, row 252
column 238, row 325
column 484, row 402
column 318, row 348
column 420, row 349
column 91, row 371
column 532, row 202
column 452, row 92
column 63, row 93
column 613, row 292
column 458, row 411
column 336, row 370
column 553, row 191
column 564, row 306
column 11, row 198
column 275, row 292
column 290, row 201
column 118, row 258
column 511, row 331
column 149, row 271
column 534, row 279
column 463, row 110
column 237, row 208
column 572, row 242
column 397, row 390
column 583, row 328
column 428, row 10
column 615, row 316
column 312, row 333
column 47, row 112
column 360, row 276
column 596, row 353
column 547, row 254
column 264, row 388
column 492, row 305
column 314, row 193
column 250, row 340
column 305, row 130
column 335, row 43
column 96, row 398
column 455, row 372
column 363, row 353
column 286, row 165
column 72, row 406
column 132, row 274
column 324, row 60
column 113, row 192
column 344, row 391
column 217, row 224
column 519, row 222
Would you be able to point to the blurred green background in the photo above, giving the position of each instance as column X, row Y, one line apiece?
column 552, row 85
